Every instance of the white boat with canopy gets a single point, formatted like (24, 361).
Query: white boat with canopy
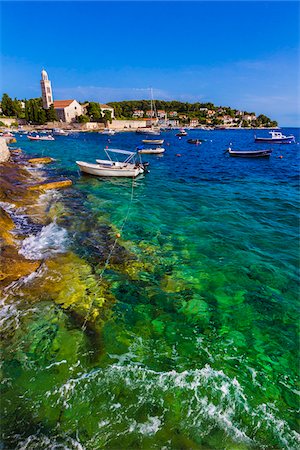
(129, 167)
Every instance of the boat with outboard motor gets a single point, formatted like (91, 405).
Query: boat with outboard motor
(276, 138)
(250, 154)
(130, 167)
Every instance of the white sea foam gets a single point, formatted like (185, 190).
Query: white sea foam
(208, 397)
(42, 442)
(50, 240)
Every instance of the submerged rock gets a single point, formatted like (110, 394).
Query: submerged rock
(52, 185)
(44, 160)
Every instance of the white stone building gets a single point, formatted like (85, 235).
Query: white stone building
(67, 110)
(46, 90)
(138, 113)
(108, 108)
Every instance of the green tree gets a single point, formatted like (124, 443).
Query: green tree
(83, 118)
(7, 105)
(94, 112)
(107, 117)
(34, 112)
(51, 114)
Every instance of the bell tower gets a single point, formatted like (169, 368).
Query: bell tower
(46, 90)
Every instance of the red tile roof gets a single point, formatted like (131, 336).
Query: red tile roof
(62, 103)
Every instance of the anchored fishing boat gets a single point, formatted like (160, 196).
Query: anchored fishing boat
(153, 151)
(250, 154)
(41, 138)
(181, 132)
(153, 141)
(276, 138)
(60, 132)
(110, 168)
(108, 131)
(195, 141)
(148, 131)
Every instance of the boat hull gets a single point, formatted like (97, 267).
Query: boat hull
(97, 170)
(254, 154)
(153, 141)
(153, 151)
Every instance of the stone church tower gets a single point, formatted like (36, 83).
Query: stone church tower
(46, 90)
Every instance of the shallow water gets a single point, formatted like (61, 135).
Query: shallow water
(191, 338)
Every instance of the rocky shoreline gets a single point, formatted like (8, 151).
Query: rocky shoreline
(38, 260)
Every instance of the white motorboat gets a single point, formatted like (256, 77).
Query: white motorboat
(41, 138)
(108, 131)
(154, 151)
(276, 138)
(149, 131)
(109, 168)
(59, 132)
(153, 141)
(181, 132)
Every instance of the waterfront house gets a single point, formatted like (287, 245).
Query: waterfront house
(138, 113)
(67, 110)
(108, 108)
(149, 113)
(210, 112)
(194, 122)
(172, 114)
(249, 117)
(161, 113)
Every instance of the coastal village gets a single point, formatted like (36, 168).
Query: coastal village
(124, 115)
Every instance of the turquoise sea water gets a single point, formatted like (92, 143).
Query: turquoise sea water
(195, 345)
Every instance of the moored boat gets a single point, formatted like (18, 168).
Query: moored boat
(153, 141)
(109, 168)
(148, 131)
(153, 151)
(181, 132)
(250, 154)
(108, 131)
(276, 138)
(60, 132)
(41, 138)
(195, 141)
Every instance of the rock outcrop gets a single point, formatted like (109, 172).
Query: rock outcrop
(4, 152)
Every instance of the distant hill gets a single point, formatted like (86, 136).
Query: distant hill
(204, 113)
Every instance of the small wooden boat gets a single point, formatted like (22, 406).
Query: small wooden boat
(153, 151)
(41, 138)
(195, 141)
(250, 154)
(277, 138)
(153, 141)
(109, 168)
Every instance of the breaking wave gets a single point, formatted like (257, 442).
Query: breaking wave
(50, 240)
(208, 400)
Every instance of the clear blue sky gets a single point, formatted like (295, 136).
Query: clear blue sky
(240, 54)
